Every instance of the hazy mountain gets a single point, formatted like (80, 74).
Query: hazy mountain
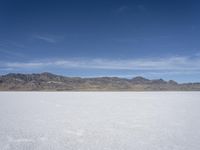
(51, 82)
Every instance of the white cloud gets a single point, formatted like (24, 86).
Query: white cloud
(48, 39)
(26, 65)
(175, 64)
(122, 9)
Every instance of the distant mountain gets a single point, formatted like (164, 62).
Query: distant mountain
(51, 82)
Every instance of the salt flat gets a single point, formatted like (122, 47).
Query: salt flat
(99, 120)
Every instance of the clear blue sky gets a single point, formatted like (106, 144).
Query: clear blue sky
(151, 38)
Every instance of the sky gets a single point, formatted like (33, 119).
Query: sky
(92, 38)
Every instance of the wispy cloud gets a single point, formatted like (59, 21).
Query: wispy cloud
(141, 7)
(123, 8)
(11, 44)
(10, 48)
(125, 40)
(175, 64)
(197, 54)
(9, 53)
(49, 39)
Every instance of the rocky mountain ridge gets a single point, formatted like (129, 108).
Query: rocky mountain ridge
(51, 82)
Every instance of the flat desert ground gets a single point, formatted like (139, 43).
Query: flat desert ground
(99, 120)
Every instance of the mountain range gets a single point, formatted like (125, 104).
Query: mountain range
(51, 82)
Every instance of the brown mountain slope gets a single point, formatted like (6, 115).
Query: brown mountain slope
(52, 82)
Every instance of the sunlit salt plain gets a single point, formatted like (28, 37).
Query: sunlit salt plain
(99, 120)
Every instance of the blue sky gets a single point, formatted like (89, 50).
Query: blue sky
(154, 39)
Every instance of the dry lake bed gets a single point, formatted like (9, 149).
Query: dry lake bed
(99, 120)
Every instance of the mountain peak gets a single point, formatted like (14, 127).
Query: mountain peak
(49, 81)
(172, 82)
(139, 80)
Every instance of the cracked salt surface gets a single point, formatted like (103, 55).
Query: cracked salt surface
(99, 120)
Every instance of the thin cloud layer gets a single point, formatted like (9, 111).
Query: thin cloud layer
(160, 64)
(45, 38)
